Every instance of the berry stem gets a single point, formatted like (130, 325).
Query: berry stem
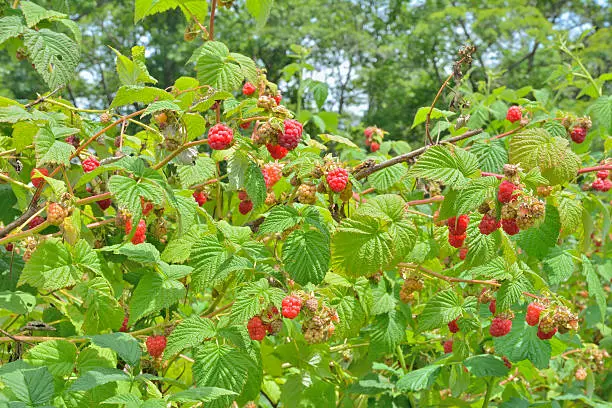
(430, 200)
(487, 174)
(596, 168)
(178, 151)
(93, 198)
(40, 98)
(487, 397)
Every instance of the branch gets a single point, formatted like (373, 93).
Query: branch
(178, 151)
(42, 98)
(365, 172)
(596, 168)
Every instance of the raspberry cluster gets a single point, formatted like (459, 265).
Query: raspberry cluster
(532, 317)
(602, 182)
(373, 137)
(248, 89)
(141, 231)
(488, 224)
(577, 127)
(319, 326)
(457, 228)
(272, 173)
(56, 213)
(267, 322)
(291, 306)
(90, 164)
(156, 345)
(246, 205)
(124, 325)
(37, 178)
(337, 179)
(220, 137)
(514, 114)
(200, 197)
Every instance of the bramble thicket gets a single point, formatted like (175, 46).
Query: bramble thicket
(217, 243)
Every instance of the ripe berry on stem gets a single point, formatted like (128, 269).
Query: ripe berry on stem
(291, 306)
(292, 135)
(90, 164)
(156, 345)
(453, 326)
(578, 134)
(200, 197)
(532, 317)
(374, 147)
(220, 137)
(493, 306)
(458, 225)
(463, 253)
(510, 226)
(277, 152)
(488, 224)
(505, 192)
(542, 335)
(141, 230)
(448, 346)
(36, 178)
(255, 327)
(456, 240)
(248, 89)
(245, 207)
(514, 114)
(36, 221)
(337, 179)
(500, 327)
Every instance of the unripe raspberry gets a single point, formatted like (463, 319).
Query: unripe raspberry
(256, 328)
(104, 204)
(141, 231)
(36, 178)
(36, 221)
(272, 173)
(488, 224)
(73, 140)
(56, 213)
(514, 114)
(603, 174)
(532, 317)
(578, 134)
(147, 206)
(124, 325)
(245, 207)
(220, 137)
(312, 304)
(542, 335)
(500, 327)
(161, 119)
(200, 197)
(463, 253)
(306, 194)
(453, 326)
(105, 117)
(277, 152)
(458, 226)
(448, 346)
(374, 147)
(270, 199)
(274, 327)
(292, 135)
(156, 345)
(248, 89)
(510, 226)
(337, 179)
(242, 195)
(581, 374)
(456, 240)
(291, 306)
(90, 164)
(505, 192)
(493, 306)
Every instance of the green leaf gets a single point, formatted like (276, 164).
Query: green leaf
(491, 156)
(594, 286)
(34, 13)
(57, 355)
(482, 248)
(142, 253)
(326, 138)
(555, 128)
(127, 191)
(475, 192)
(255, 185)
(252, 297)
(33, 387)
(11, 27)
(600, 110)
(190, 8)
(130, 94)
(320, 91)
(220, 69)
(523, 343)
(133, 72)
(439, 164)
(537, 241)
(51, 151)
(55, 55)
(17, 302)
(50, 267)
(418, 380)
(558, 265)
(260, 10)
(387, 332)
(537, 148)
(179, 248)
(486, 365)
(351, 316)
(102, 310)
(202, 394)
(279, 219)
(421, 115)
(443, 307)
(14, 114)
(386, 179)
(96, 377)
(126, 346)
(570, 212)
(207, 256)
(190, 332)
(306, 256)
(158, 106)
(157, 290)
(511, 291)
(93, 357)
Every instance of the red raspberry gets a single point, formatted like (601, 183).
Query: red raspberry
(124, 325)
(242, 195)
(256, 328)
(104, 204)
(245, 207)
(147, 206)
(156, 345)
(278, 98)
(55, 213)
(453, 326)
(374, 147)
(602, 185)
(514, 114)
(72, 140)
(448, 346)
(36, 178)
(546, 335)
(291, 306)
(141, 230)
(463, 253)
(200, 197)
(36, 221)
(292, 135)
(369, 131)
(493, 306)
(248, 89)
(272, 172)
(245, 125)
(507, 362)
(220, 137)
(500, 327)
(578, 134)
(90, 164)
(9, 247)
(277, 152)
(337, 179)
(456, 240)
(505, 192)
(458, 226)
(532, 317)
(603, 174)
(510, 226)
(488, 224)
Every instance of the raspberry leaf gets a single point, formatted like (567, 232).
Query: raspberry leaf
(537, 241)
(306, 256)
(486, 365)
(491, 156)
(594, 286)
(55, 55)
(57, 355)
(441, 309)
(558, 265)
(201, 394)
(52, 151)
(388, 331)
(439, 164)
(126, 346)
(522, 343)
(351, 315)
(129, 94)
(203, 169)
(253, 297)
(280, 219)
(420, 379)
(255, 185)
(101, 310)
(190, 332)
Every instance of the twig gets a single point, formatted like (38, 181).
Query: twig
(42, 98)
(211, 24)
(93, 198)
(17, 183)
(596, 168)
(487, 174)
(434, 199)
(178, 151)
(19, 221)
(433, 104)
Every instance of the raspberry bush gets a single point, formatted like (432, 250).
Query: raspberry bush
(212, 243)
